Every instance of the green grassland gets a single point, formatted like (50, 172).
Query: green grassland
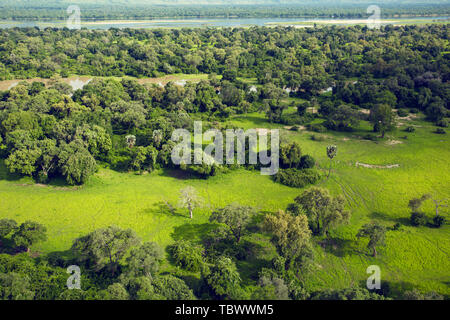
(413, 257)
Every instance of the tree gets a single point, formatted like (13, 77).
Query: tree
(29, 233)
(324, 212)
(290, 234)
(14, 286)
(189, 199)
(143, 158)
(235, 217)
(382, 118)
(416, 203)
(290, 155)
(117, 291)
(376, 234)
(145, 259)
(6, 227)
(224, 279)
(172, 288)
(270, 287)
(105, 247)
(331, 153)
(439, 203)
(188, 255)
(76, 163)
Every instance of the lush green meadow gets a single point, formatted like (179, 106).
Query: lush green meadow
(413, 256)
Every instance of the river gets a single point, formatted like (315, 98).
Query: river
(211, 22)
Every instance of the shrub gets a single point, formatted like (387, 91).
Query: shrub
(396, 226)
(402, 113)
(418, 219)
(316, 127)
(438, 221)
(414, 110)
(440, 131)
(315, 137)
(410, 129)
(442, 123)
(307, 162)
(297, 178)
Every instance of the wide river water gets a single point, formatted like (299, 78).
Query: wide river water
(209, 22)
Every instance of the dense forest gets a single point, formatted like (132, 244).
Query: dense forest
(52, 132)
(46, 131)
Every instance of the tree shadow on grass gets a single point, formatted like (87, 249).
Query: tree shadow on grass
(192, 232)
(390, 289)
(339, 247)
(386, 217)
(179, 174)
(61, 259)
(165, 208)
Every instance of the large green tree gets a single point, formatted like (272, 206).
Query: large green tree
(105, 247)
(235, 217)
(376, 234)
(324, 211)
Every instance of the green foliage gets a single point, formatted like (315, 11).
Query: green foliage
(188, 255)
(324, 212)
(172, 288)
(438, 221)
(290, 234)
(307, 162)
(297, 178)
(7, 226)
(376, 234)
(105, 247)
(382, 118)
(235, 217)
(145, 259)
(29, 233)
(224, 280)
(418, 218)
(76, 163)
(355, 293)
(14, 286)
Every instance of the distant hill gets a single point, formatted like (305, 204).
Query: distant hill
(38, 3)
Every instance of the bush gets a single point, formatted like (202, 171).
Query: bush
(316, 127)
(315, 137)
(438, 221)
(402, 113)
(307, 162)
(410, 129)
(418, 219)
(396, 226)
(440, 131)
(297, 178)
(442, 123)
(414, 110)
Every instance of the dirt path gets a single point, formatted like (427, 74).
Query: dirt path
(373, 166)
